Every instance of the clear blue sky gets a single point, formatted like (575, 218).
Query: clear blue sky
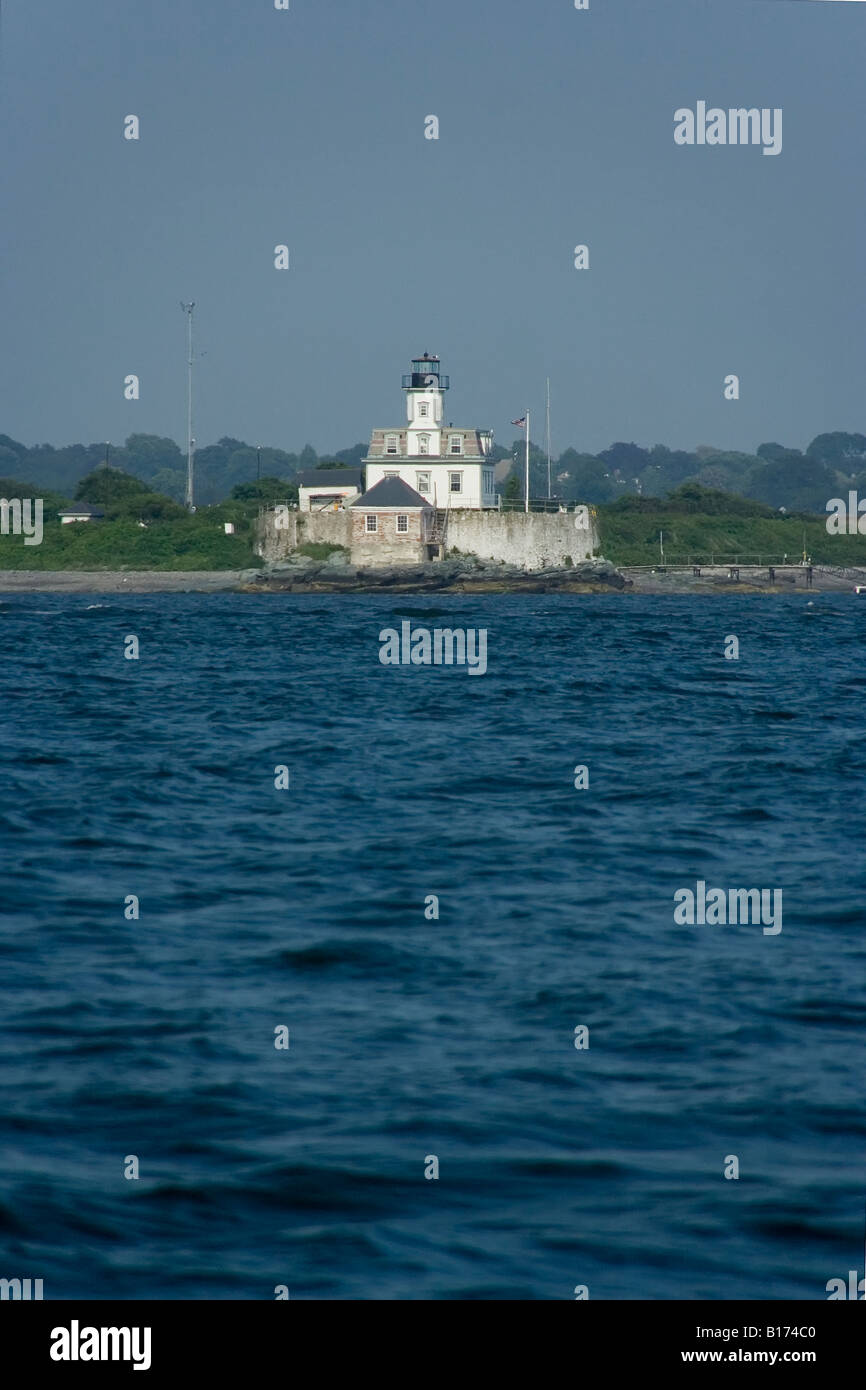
(261, 127)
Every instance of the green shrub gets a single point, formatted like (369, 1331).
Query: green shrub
(630, 536)
(320, 550)
(188, 542)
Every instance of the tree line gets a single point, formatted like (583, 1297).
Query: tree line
(160, 463)
(776, 474)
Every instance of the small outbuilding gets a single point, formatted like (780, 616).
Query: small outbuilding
(392, 524)
(328, 489)
(81, 511)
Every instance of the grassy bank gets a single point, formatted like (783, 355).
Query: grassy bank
(629, 531)
(197, 542)
(699, 526)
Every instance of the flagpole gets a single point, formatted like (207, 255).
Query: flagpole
(548, 438)
(526, 500)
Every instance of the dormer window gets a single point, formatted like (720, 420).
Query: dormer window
(455, 444)
(390, 443)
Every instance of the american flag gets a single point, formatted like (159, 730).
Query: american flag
(521, 421)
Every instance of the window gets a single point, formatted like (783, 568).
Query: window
(391, 473)
(455, 444)
(488, 480)
(390, 443)
(455, 481)
(372, 522)
(402, 522)
(423, 408)
(422, 482)
(423, 444)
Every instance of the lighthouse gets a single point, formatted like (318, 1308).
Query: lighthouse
(448, 465)
(424, 387)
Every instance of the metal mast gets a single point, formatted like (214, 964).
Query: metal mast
(548, 438)
(526, 488)
(190, 442)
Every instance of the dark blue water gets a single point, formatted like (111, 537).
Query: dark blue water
(412, 1037)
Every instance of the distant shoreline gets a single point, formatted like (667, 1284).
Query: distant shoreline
(122, 581)
(629, 581)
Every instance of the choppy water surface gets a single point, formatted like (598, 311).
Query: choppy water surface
(412, 1037)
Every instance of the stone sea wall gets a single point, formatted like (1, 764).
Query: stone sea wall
(281, 532)
(534, 540)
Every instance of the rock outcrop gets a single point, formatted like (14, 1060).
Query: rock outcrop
(458, 574)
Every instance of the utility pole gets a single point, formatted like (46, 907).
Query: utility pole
(548, 439)
(526, 504)
(190, 442)
(258, 461)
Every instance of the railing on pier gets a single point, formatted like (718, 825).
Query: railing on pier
(842, 571)
(710, 560)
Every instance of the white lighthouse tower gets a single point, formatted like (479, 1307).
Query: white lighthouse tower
(424, 387)
(449, 466)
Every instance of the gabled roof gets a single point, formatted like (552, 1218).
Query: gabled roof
(391, 492)
(330, 477)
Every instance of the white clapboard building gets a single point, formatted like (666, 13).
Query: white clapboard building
(448, 465)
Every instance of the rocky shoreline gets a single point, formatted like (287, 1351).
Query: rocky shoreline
(469, 574)
(460, 574)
